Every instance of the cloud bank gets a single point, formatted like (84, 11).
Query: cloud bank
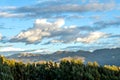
(56, 32)
(56, 8)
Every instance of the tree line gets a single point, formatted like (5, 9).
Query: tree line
(72, 69)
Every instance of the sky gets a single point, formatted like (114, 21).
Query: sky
(46, 26)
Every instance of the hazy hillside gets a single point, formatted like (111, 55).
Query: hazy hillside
(102, 56)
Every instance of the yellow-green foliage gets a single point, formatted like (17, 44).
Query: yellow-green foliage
(67, 69)
(113, 67)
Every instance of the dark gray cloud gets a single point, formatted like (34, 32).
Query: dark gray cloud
(99, 25)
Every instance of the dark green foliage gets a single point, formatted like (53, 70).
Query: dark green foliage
(5, 71)
(72, 69)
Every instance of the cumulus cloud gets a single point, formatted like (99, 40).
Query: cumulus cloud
(92, 37)
(56, 32)
(41, 29)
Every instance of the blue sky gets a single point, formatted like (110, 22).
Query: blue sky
(46, 26)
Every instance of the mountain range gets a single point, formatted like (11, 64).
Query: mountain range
(102, 56)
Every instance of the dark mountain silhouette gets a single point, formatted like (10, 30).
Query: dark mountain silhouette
(102, 56)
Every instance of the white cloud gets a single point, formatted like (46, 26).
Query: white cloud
(92, 37)
(8, 7)
(7, 14)
(10, 49)
(56, 32)
(41, 29)
(60, 22)
(44, 51)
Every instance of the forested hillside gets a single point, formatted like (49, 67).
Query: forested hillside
(67, 69)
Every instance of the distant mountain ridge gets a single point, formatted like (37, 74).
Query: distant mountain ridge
(102, 56)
